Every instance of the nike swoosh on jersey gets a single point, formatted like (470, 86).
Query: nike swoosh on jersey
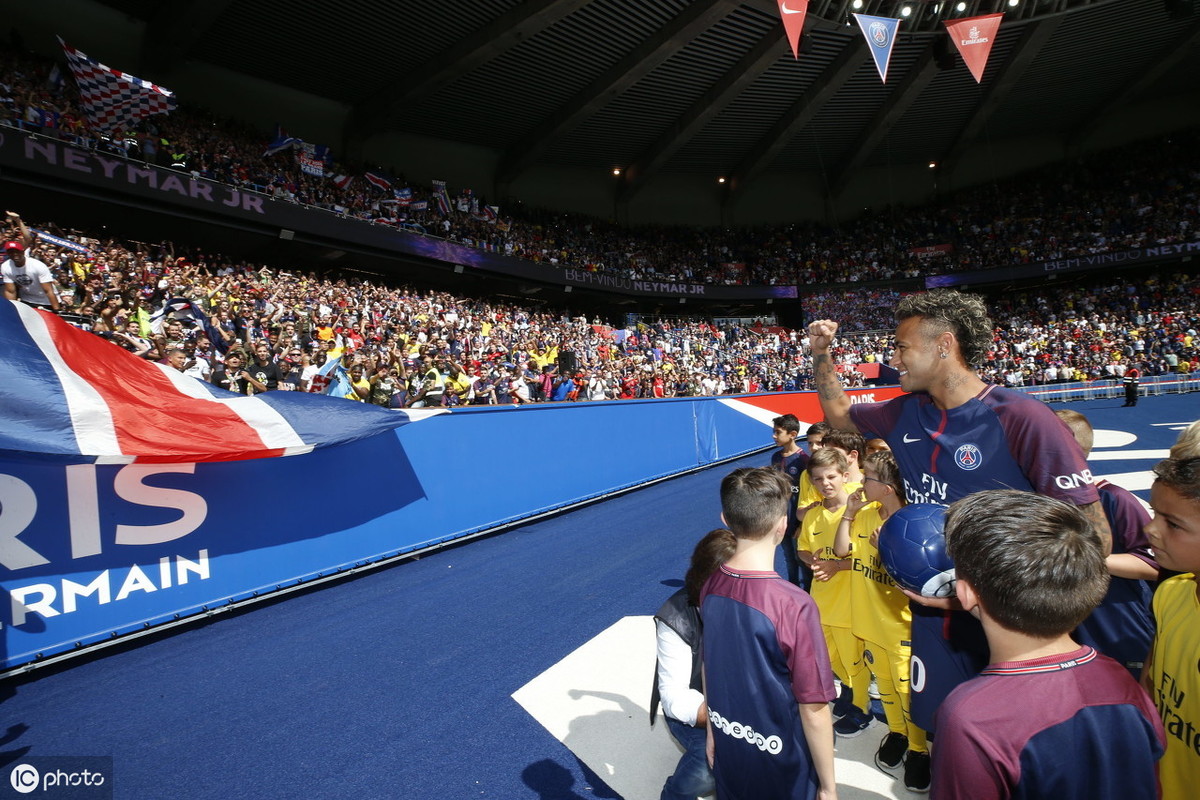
(783, 7)
(910, 441)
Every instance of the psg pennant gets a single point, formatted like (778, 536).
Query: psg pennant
(792, 12)
(974, 38)
(880, 33)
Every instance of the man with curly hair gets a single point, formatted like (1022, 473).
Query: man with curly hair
(954, 435)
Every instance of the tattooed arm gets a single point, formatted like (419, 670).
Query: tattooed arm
(1095, 514)
(834, 401)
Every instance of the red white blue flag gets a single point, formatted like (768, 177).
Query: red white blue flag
(378, 181)
(441, 197)
(69, 395)
(192, 316)
(281, 142)
(880, 33)
(114, 100)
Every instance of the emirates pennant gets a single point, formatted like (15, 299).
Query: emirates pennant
(880, 33)
(974, 38)
(792, 12)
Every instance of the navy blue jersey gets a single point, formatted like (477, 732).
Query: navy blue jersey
(948, 648)
(764, 653)
(793, 466)
(1074, 726)
(1000, 439)
(1122, 626)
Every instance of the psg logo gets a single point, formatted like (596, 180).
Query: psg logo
(968, 457)
(879, 34)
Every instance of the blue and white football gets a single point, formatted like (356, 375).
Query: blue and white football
(912, 547)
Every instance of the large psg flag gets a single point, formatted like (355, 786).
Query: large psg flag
(69, 395)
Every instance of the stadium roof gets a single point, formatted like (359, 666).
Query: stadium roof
(693, 86)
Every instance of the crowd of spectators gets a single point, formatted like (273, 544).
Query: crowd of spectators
(274, 329)
(404, 347)
(1098, 330)
(1136, 196)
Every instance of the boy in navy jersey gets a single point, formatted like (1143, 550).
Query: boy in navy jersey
(1122, 626)
(768, 682)
(791, 461)
(1047, 717)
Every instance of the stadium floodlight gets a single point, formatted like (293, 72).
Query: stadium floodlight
(906, 11)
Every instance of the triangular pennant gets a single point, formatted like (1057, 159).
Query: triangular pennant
(974, 38)
(792, 12)
(880, 33)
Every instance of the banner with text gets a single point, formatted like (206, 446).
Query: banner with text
(93, 551)
(974, 38)
(56, 164)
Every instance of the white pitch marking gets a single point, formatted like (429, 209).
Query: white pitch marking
(1132, 481)
(1103, 437)
(765, 416)
(596, 701)
(1129, 455)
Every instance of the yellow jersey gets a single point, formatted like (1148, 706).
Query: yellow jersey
(816, 535)
(881, 613)
(1175, 683)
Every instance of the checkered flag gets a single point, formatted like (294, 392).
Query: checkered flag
(112, 100)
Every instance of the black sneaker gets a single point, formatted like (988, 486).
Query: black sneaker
(844, 704)
(852, 724)
(891, 751)
(916, 771)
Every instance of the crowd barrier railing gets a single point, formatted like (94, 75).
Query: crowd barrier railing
(1111, 388)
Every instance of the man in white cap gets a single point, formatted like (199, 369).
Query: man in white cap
(26, 278)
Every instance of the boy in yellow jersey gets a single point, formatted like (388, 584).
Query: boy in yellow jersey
(881, 617)
(809, 496)
(854, 448)
(1171, 674)
(831, 585)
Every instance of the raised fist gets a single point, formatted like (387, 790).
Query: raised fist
(821, 333)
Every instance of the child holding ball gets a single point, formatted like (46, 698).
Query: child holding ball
(880, 614)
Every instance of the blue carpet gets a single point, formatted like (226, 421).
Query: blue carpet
(397, 683)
